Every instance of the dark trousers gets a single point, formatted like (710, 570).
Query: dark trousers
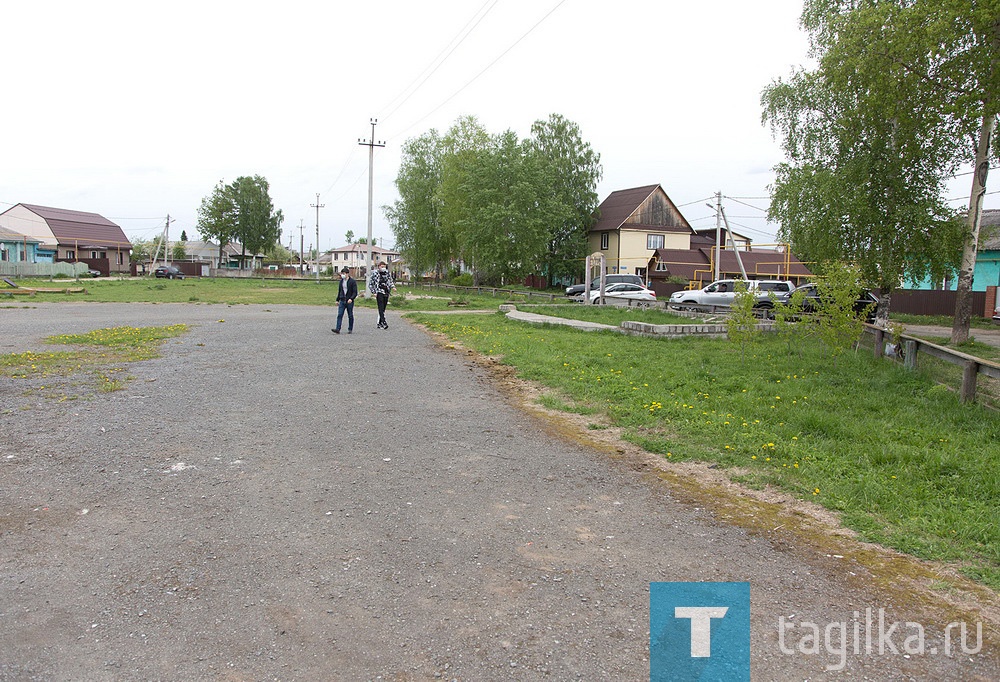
(349, 307)
(381, 299)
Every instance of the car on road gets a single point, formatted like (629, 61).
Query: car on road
(625, 290)
(169, 271)
(720, 294)
(865, 304)
(577, 289)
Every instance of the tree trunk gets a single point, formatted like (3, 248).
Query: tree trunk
(963, 301)
(882, 310)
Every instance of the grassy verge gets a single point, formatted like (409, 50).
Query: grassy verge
(610, 314)
(902, 461)
(103, 358)
(246, 291)
(939, 320)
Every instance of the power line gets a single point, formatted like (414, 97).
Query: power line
(467, 31)
(695, 202)
(485, 69)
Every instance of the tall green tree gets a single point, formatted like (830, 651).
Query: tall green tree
(415, 218)
(241, 211)
(504, 232)
(874, 133)
(257, 224)
(217, 216)
(570, 171)
(462, 145)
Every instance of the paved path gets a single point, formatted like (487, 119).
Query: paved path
(270, 501)
(582, 325)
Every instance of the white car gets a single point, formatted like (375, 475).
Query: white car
(625, 290)
(720, 294)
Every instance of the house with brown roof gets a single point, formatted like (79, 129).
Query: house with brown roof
(632, 224)
(642, 232)
(73, 236)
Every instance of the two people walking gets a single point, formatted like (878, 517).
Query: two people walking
(380, 284)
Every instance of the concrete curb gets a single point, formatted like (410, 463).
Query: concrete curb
(662, 331)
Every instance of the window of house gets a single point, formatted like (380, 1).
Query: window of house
(605, 241)
(641, 272)
(654, 241)
(662, 267)
(4, 255)
(336, 256)
(121, 258)
(70, 254)
(22, 255)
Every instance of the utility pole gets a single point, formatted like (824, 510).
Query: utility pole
(317, 206)
(302, 238)
(718, 234)
(371, 144)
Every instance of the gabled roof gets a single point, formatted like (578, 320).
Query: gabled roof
(620, 210)
(11, 236)
(989, 230)
(80, 228)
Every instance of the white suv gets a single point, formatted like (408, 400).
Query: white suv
(720, 294)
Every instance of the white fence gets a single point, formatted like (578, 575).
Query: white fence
(17, 269)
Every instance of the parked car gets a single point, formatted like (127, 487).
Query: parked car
(169, 271)
(865, 304)
(720, 294)
(625, 290)
(577, 289)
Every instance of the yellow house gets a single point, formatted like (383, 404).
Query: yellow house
(632, 224)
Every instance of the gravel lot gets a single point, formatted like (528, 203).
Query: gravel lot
(270, 501)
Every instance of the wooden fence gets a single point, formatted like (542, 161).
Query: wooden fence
(19, 269)
(971, 366)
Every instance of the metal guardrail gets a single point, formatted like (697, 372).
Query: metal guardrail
(971, 366)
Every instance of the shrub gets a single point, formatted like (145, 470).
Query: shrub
(463, 280)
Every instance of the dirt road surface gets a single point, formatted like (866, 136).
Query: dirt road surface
(268, 501)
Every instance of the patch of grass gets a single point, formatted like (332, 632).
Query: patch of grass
(554, 403)
(939, 320)
(607, 314)
(226, 291)
(104, 356)
(903, 462)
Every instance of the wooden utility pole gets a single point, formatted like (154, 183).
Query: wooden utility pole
(302, 239)
(371, 144)
(317, 206)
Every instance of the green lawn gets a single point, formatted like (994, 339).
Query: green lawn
(902, 461)
(235, 291)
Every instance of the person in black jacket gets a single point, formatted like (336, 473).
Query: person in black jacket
(347, 292)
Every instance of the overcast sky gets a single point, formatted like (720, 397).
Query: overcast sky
(136, 110)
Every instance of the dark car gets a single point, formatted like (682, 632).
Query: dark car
(577, 289)
(169, 271)
(864, 305)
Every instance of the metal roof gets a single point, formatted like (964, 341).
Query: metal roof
(85, 230)
(622, 204)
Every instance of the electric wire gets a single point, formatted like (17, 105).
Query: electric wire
(484, 70)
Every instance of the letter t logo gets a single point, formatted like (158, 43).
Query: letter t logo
(701, 626)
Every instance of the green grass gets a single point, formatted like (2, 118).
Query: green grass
(103, 357)
(939, 320)
(902, 461)
(612, 315)
(245, 291)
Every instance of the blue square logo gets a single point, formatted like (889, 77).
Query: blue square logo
(699, 632)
